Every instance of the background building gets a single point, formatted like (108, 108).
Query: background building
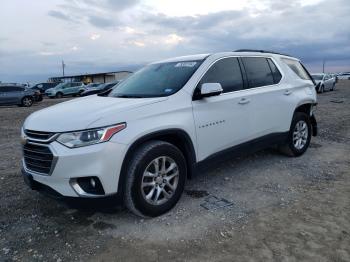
(92, 78)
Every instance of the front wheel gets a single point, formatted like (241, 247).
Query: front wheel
(322, 89)
(299, 135)
(155, 179)
(59, 95)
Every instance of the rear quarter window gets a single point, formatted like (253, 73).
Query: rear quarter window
(297, 68)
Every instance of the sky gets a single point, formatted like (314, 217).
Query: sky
(109, 35)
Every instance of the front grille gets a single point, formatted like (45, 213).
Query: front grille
(39, 135)
(38, 158)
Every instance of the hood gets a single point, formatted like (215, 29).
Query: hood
(82, 113)
(49, 90)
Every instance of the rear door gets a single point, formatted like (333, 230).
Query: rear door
(221, 121)
(3, 95)
(270, 101)
(69, 89)
(14, 94)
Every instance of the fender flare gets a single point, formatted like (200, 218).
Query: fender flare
(188, 150)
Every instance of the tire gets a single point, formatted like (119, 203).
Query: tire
(301, 131)
(139, 197)
(59, 95)
(322, 89)
(27, 101)
(40, 98)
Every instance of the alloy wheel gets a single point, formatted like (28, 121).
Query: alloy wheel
(27, 102)
(160, 180)
(300, 135)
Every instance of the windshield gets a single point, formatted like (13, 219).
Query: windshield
(317, 77)
(157, 80)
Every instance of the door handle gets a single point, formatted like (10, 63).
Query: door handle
(244, 101)
(287, 92)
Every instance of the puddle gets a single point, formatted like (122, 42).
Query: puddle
(337, 101)
(213, 203)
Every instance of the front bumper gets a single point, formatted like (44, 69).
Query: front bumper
(101, 160)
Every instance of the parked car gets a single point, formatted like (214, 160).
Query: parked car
(42, 87)
(143, 140)
(66, 89)
(324, 82)
(17, 95)
(92, 86)
(100, 89)
(344, 76)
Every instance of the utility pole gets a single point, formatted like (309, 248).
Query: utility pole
(63, 66)
(324, 63)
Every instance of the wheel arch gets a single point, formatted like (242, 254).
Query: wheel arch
(306, 108)
(177, 137)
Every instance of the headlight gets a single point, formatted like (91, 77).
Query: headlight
(90, 136)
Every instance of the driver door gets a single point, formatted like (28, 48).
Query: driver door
(221, 121)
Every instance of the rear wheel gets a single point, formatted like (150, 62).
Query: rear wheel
(155, 179)
(27, 101)
(299, 135)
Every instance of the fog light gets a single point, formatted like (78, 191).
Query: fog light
(88, 185)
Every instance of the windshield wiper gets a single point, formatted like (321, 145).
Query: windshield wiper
(129, 96)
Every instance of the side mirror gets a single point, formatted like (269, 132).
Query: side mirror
(211, 89)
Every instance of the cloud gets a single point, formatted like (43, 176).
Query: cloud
(309, 32)
(133, 32)
(95, 36)
(101, 22)
(173, 39)
(121, 4)
(59, 15)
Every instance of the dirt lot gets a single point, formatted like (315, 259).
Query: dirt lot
(279, 209)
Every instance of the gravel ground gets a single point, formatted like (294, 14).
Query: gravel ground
(261, 207)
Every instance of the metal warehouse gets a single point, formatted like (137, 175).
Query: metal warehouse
(92, 78)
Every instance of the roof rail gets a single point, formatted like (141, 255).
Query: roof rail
(261, 51)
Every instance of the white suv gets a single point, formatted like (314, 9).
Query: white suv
(143, 140)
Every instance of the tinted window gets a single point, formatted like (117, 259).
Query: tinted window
(297, 68)
(258, 71)
(276, 74)
(5, 88)
(11, 88)
(227, 72)
(17, 88)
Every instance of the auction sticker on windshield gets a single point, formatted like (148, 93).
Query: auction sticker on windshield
(186, 64)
